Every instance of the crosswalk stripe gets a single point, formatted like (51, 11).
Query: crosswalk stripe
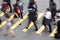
(31, 24)
(0, 6)
(18, 22)
(4, 22)
(54, 31)
(1, 14)
(40, 30)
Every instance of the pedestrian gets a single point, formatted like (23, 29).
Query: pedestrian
(20, 5)
(9, 23)
(57, 35)
(9, 3)
(17, 11)
(47, 19)
(5, 7)
(53, 10)
(32, 9)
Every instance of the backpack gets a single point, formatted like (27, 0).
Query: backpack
(4, 6)
(17, 10)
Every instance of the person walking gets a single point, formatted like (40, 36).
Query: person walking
(9, 23)
(9, 3)
(57, 35)
(47, 19)
(32, 8)
(53, 10)
(20, 5)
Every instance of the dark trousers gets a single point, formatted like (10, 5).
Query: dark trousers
(58, 26)
(34, 24)
(53, 17)
(50, 29)
(21, 15)
(53, 14)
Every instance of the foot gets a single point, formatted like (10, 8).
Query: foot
(50, 31)
(5, 34)
(13, 36)
(26, 27)
(10, 11)
(22, 18)
(20, 24)
(36, 29)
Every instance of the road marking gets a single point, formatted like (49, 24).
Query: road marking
(40, 30)
(0, 7)
(3, 23)
(53, 33)
(18, 22)
(31, 24)
(1, 14)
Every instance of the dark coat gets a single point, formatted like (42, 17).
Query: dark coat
(53, 8)
(58, 28)
(32, 13)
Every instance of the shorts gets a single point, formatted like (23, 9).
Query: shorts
(9, 24)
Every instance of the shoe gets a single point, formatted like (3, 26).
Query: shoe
(26, 27)
(22, 18)
(20, 24)
(36, 29)
(50, 31)
(5, 34)
(13, 36)
(10, 11)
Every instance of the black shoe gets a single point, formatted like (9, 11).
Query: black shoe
(36, 29)
(20, 24)
(50, 31)
(10, 11)
(26, 27)
(5, 34)
(22, 18)
(13, 36)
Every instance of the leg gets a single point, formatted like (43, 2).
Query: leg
(12, 32)
(28, 24)
(44, 22)
(50, 29)
(53, 18)
(22, 15)
(36, 28)
(6, 31)
(53, 14)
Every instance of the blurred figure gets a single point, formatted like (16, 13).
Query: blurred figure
(17, 11)
(53, 9)
(47, 19)
(20, 5)
(9, 3)
(57, 35)
(32, 8)
(9, 23)
(5, 7)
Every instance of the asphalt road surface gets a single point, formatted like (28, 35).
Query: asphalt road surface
(30, 34)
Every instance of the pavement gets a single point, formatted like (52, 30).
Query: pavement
(29, 34)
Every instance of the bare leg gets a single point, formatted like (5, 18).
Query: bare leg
(12, 32)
